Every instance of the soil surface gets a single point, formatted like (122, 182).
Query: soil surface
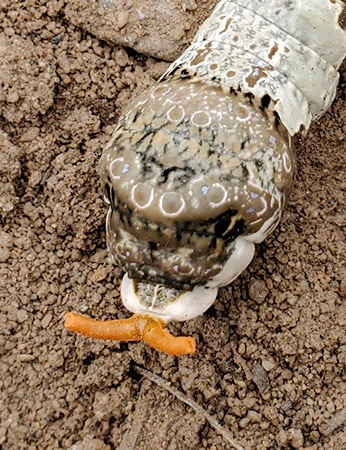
(270, 363)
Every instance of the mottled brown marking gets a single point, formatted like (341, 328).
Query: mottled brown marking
(200, 57)
(228, 22)
(230, 73)
(273, 50)
(255, 75)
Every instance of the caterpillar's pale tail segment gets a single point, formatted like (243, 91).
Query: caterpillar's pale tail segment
(137, 328)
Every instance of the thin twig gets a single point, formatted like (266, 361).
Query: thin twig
(129, 439)
(172, 390)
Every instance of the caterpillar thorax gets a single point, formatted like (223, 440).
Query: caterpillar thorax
(200, 166)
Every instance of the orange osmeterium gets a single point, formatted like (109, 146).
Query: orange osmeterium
(137, 328)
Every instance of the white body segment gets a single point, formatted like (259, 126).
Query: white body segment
(288, 50)
(200, 166)
(186, 306)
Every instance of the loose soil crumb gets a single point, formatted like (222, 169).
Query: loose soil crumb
(270, 364)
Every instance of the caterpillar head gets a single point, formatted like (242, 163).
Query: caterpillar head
(194, 176)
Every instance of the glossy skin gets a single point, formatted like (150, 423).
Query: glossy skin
(184, 185)
(195, 179)
(201, 165)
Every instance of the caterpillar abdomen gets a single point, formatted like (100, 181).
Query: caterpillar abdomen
(200, 166)
(290, 53)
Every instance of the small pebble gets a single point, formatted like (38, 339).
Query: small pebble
(22, 315)
(296, 438)
(6, 240)
(46, 320)
(258, 290)
(99, 275)
(30, 134)
(121, 57)
(268, 364)
(123, 18)
(342, 288)
(4, 255)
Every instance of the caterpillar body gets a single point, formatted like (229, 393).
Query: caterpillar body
(200, 166)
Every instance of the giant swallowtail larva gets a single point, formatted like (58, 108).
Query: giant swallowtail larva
(200, 166)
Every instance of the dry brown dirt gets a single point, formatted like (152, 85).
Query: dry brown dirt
(270, 364)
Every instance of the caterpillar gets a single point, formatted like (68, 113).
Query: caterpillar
(200, 166)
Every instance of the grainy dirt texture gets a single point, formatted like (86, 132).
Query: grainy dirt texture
(162, 29)
(270, 364)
